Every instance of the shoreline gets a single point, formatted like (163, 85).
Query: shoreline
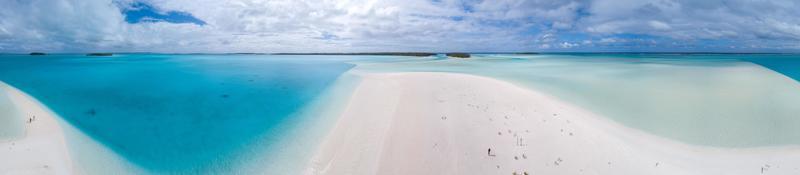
(42, 148)
(53, 146)
(77, 153)
(444, 123)
(421, 123)
(301, 134)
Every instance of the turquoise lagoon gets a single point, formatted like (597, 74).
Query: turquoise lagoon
(211, 114)
(175, 114)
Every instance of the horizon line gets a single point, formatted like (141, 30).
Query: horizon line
(380, 52)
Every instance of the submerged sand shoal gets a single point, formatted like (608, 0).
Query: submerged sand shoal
(444, 123)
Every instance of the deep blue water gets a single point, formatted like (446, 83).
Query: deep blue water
(173, 113)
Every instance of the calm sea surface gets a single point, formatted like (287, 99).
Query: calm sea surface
(173, 113)
(190, 113)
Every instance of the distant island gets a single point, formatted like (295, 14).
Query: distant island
(418, 54)
(37, 53)
(458, 55)
(100, 54)
(247, 53)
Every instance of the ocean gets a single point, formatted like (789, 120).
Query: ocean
(175, 113)
(207, 113)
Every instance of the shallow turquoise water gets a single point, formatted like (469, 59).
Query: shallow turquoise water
(174, 113)
(198, 114)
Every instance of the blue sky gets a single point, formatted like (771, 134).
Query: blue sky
(399, 25)
(139, 12)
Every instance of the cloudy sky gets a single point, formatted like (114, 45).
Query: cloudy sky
(399, 25)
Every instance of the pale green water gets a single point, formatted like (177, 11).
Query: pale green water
(12, 122)
(699, 99)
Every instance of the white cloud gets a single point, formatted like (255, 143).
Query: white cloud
(58, 24)
(658, 25)
(608, 40)
(686, 19)
(391, 25)
(567, 45)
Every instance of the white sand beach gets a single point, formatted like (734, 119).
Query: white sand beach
(49, 145)
(444, 123)
(42, 148)
(434, 123)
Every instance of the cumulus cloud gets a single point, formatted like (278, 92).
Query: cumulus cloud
(756, 22)
(57, 25)
(401, 25)
(567, 45)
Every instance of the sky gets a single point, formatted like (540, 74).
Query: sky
(269, 26)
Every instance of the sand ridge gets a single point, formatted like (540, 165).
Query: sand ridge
(445, 123)
(42, 150)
